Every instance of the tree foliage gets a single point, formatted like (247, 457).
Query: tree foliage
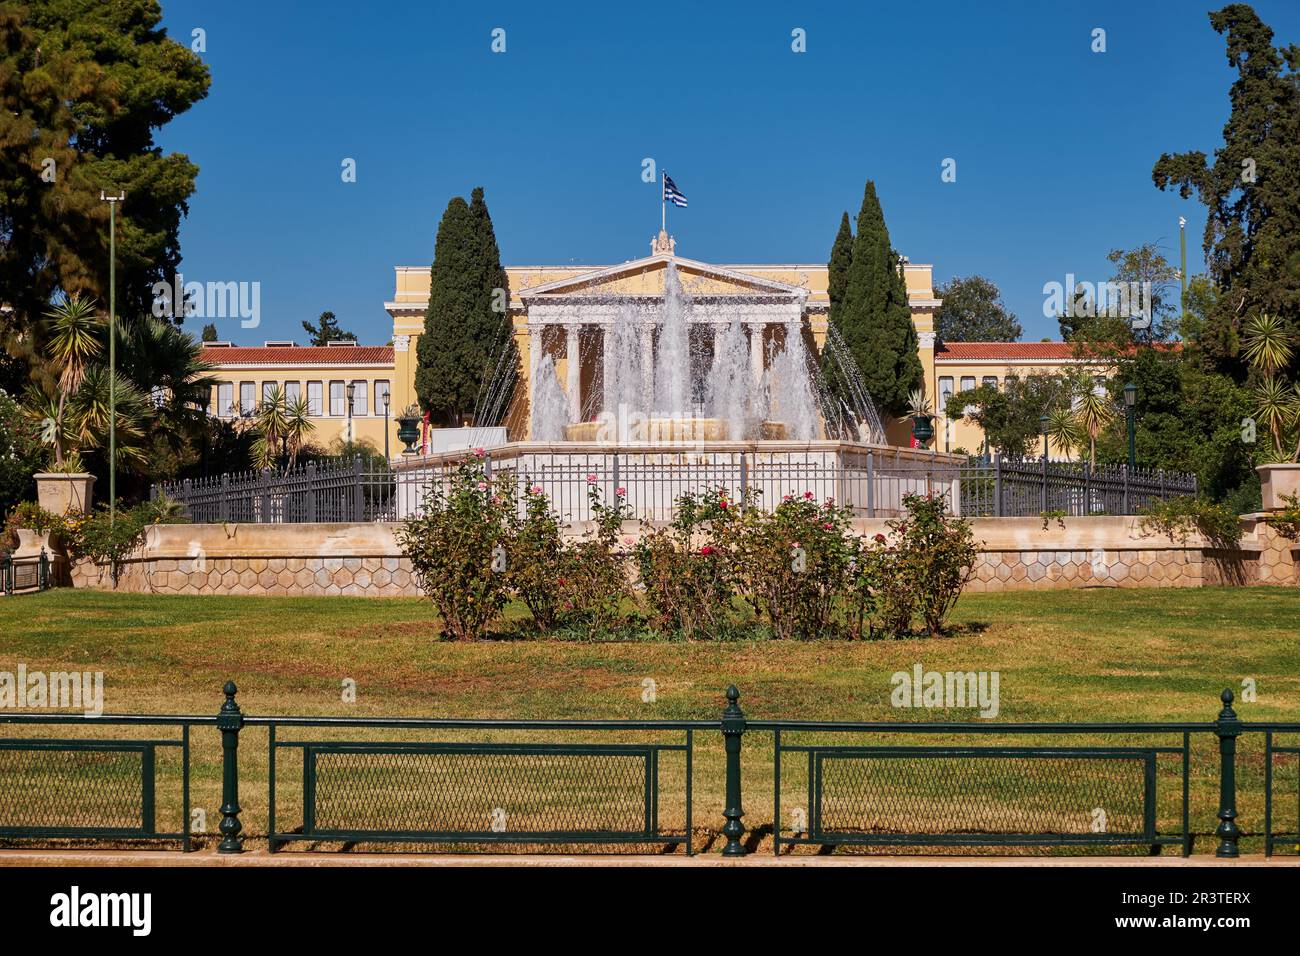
(973, 311)
(84, 85)
(326, 330)
(1251, 189)
(468, 308)
(873, 315)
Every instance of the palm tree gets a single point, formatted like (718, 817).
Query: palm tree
(1094, 415)
(1064, 429)
(298, 425)
(164, 361)
(73, 327)
(1273, 407)
(1267, 346)
(89, 411)
(282, 427)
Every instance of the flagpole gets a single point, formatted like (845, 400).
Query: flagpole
(663, 203)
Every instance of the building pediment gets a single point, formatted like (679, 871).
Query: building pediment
(645, 278)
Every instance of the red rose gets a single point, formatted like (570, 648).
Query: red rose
(880, 539)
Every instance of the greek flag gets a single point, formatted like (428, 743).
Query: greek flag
(672, 194)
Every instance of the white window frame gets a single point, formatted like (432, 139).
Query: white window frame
(316, 405)
(342, 398)
(225, 399)
(360, 397)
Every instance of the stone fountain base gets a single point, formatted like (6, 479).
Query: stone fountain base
(665, 430)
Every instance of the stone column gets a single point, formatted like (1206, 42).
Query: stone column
(756, 350)
(647, 367)
(607, 371)
(573, 371)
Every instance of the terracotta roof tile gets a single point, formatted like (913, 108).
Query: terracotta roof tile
(303, 355)
(1006, 350)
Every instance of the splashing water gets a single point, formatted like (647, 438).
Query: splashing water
(550, 404)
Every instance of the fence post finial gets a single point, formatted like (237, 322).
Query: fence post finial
(230, 719)
(733, 728)
(1227, 727)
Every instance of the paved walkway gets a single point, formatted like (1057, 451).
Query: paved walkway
(162, 858)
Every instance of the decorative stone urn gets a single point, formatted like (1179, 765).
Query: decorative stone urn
(408, 433)
(31, 543)
(1278, 482)
(60, 493)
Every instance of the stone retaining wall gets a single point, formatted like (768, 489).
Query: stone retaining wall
(365, 559)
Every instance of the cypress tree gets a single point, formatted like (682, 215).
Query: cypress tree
(837, 276)
(838, 268)
(873, 314)
(456, 353)
(497, 286)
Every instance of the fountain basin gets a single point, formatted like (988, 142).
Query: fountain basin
(640, 429)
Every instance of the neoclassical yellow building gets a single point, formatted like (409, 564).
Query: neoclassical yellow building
(568, 313)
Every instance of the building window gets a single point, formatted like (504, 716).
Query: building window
(991, 380)
(945, 389)
(292, 392)
(967, 382)
(338, 400)
(359, 403)
(268, 390)
(225, 399)
(315, 399)
(247, 398)
(381, 393)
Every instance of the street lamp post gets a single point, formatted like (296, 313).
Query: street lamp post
(1130, 403)
(1042, 421)
(112, 349)
(386, 400)
(351, 391)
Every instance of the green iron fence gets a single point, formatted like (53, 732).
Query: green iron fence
(593, 791)
(603, 788)
(79, 788)
(25, 573)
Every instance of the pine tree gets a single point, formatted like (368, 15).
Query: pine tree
(459, 349)
(1252, 192)
(874, 316)
(973, 311)
(326, 330)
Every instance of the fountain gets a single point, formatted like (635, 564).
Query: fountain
(685, 370)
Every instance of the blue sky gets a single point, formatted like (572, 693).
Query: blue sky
(1053, 143)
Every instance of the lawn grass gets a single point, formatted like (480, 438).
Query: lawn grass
(1080, 656)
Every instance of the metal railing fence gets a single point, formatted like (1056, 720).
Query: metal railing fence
(602, 788)
(871, 481)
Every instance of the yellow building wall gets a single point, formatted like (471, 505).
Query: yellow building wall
(327, 428)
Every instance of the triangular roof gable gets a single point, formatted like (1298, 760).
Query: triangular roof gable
(744, 283)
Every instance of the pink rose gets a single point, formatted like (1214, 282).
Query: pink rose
(479, 453)
(591, 479)
(706, 550)
(620, 492)
(482, 486)
(787, 497)
(535, 489)
(808, 495)
(828, 526)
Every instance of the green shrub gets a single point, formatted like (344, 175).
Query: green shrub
(937, 555)
(1177, 518)
(791, 563)
(457, 548)
(595, 571)
(685, 576)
